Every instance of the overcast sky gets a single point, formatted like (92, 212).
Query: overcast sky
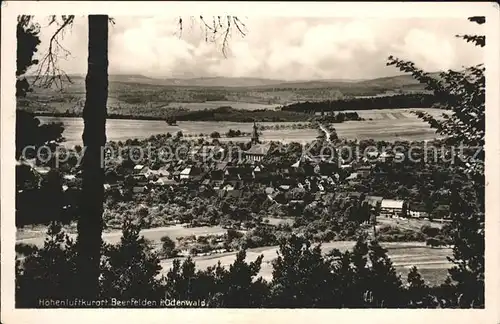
(277, 48)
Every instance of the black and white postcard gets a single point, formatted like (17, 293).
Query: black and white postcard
(250, 162)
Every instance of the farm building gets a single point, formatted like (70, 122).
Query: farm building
(391, 207)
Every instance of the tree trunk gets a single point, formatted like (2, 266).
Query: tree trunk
(94, 138)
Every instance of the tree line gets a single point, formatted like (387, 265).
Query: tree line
(302, 277)
(383, 102)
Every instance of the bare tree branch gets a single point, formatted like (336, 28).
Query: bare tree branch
(48, 72)
(220, 28)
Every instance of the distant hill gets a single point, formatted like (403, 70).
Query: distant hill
(392, 83)
(207, 82)
(143, 96)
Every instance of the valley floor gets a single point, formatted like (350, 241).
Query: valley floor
(432, 262)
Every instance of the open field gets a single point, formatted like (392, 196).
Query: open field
(152, 234)
(432, 262)
(395, 114)
(403, 255)
(217, 104)
(407, 223)
(390, 125)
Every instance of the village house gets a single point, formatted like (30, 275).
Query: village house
(385, 156)
(198, 176)
(284, 187)
(138, 168)
(441, 211)
(194, 151)
(185, 174)
(188, 172)
(163, 171)
(417, 211)
(346, 167)
(217, 173)
(110, 186)
(355, 196)
(391, 208)
(233, 194)
(399, 156)
(208, 151)
(364, 171)
(139, 189)
(41, 170)
(69, 177)
(374, 201)
(246, 174)
(165, 181)
(232, 173)
(353, 176)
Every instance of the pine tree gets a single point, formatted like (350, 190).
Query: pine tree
(301, 276)
(417, 288)
(385, 284)
(130, 268)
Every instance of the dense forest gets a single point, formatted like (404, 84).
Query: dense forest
(366, 103)
(227, 113)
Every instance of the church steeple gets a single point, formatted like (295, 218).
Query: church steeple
(255, 134)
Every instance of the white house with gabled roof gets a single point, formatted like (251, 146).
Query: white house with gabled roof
(391, 207)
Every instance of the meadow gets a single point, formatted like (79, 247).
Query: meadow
(36, 236)
(387, 124)
(216, 104)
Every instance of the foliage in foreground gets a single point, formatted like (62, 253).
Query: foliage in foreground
(462, 93)
(302, 277)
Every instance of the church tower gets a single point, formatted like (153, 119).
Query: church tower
(255, 135)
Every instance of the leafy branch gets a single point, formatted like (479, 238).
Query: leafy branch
(460, 92)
